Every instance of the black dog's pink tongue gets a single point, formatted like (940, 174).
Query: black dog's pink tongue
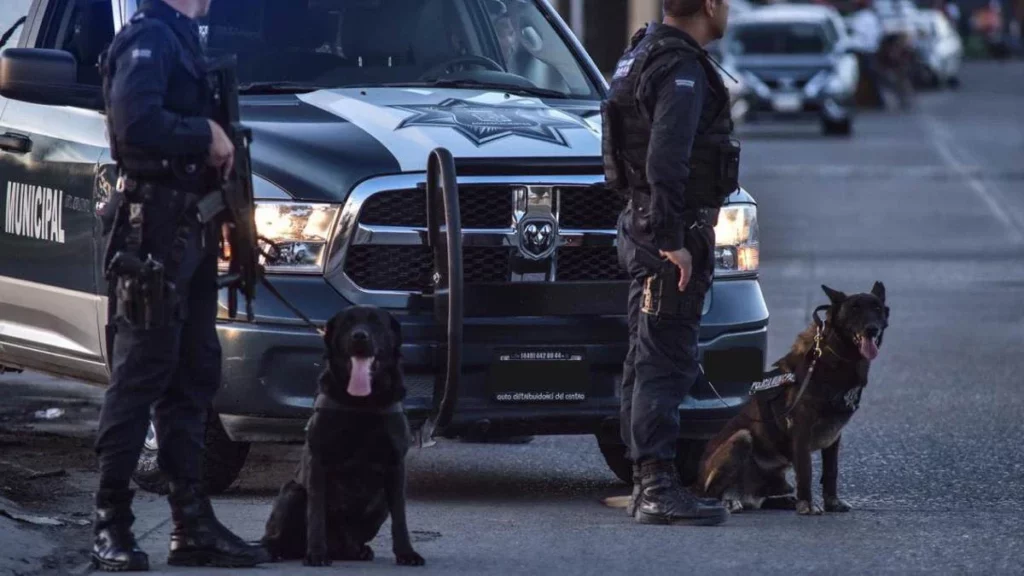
(868, 348)
(359, 380)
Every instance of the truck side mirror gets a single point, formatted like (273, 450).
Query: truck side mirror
(45, 76)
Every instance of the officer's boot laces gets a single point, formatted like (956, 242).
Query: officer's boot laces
(114, 547)
(663, 500)
(199, 539)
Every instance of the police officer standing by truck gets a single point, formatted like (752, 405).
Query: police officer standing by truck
(162, 270)
(667, 146)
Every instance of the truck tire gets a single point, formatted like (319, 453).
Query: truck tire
(688, 454)
(222, 462)
(615, 457)
(841, 128)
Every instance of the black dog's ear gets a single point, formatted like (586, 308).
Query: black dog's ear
(833, 295)
(879, 291)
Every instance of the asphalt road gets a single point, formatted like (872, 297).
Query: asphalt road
(929, 202)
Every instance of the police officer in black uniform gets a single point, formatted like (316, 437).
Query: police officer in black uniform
(162, 271)
(668, 147)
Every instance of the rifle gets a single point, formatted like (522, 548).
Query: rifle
(244, 270)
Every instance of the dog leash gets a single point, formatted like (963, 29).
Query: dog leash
(274, 292)
(816, 352)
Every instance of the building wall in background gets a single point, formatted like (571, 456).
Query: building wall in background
(607, 24)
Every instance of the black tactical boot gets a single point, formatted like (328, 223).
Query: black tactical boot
(114, 548)
(199, 539)
(663, 500)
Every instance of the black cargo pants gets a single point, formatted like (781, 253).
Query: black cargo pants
(173, 370)
(662, 363)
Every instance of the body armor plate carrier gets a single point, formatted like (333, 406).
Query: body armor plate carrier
(714, 160)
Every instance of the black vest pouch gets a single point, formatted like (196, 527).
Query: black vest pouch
(714, 169)
(728, 168)
(614, 169)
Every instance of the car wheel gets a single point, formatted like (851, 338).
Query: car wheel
(615, 457)
(841, 128)
(222, 462)
(688, 455)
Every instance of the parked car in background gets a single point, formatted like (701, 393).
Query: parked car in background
(940, 49)
(796, 65)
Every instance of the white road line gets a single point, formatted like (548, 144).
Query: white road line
(943, 143)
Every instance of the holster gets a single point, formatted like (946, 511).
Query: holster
(143, 286)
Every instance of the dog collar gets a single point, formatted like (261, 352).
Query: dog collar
(324, 402)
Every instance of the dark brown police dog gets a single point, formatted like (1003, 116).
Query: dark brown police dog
(745, 465)
(352, 472)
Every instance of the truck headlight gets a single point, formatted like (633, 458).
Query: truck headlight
(737, 250)
(299, 232)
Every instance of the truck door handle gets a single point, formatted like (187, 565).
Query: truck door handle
(15, 143)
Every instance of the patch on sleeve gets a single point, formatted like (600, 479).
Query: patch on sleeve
(684, 83)
(773, 379)
(141, 53)
(623, 68)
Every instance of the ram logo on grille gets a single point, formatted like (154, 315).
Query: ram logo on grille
(537, 237)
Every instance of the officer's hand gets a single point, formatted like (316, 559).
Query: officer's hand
(222, 150)
(684, 261)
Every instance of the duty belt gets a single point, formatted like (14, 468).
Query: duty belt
(141, 168)
(692, 217)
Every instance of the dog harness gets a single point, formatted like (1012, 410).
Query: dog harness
(324, 402)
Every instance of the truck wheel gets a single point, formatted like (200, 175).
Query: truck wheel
(615, 456)
(688, 454)
(222, 462)
(841, 128)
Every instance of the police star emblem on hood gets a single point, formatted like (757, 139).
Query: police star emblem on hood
(485, 123)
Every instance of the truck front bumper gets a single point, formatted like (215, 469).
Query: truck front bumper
(270, 372)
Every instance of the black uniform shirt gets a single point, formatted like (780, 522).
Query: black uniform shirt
(673, 99)
(159, 99)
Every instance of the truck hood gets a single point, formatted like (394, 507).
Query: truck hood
(317, 146)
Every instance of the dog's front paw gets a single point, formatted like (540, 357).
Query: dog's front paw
(805, 508)
(410, 558)
(365, 554)
(733, 506)
(836, 504)
(317, 558)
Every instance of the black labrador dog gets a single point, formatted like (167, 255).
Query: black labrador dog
(801, 407)
(352, 472)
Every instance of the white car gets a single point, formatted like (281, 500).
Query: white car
(940, 47)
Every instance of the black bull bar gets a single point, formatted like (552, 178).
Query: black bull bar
(453, 300)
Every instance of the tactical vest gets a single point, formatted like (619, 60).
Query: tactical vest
(714, 160)
(140, 163)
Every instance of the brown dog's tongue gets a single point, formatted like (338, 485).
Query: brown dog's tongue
(868, 348)
(359, 380)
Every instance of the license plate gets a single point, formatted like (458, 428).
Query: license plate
(787, 103)
(540, 376)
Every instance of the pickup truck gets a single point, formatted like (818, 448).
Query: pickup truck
(513, 313)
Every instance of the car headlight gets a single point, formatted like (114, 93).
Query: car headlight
(299, 232)
(737, 250)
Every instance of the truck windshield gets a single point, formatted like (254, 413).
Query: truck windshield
(295, 45)
(778, 38)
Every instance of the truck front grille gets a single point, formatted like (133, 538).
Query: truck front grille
(409, 268)
(387, 250)
(480, 207)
